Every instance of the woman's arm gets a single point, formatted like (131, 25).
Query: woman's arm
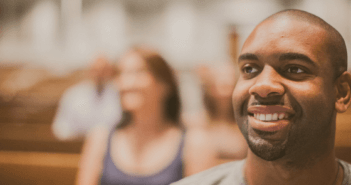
(92, 156)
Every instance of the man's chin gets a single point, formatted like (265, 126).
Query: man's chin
(266, 150)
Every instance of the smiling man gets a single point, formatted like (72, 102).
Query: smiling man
(292, 84)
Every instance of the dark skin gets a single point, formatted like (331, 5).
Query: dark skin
(285, 64)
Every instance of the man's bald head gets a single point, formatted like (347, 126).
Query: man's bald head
(336, 46)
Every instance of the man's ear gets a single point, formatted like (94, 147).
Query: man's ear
(343, 92)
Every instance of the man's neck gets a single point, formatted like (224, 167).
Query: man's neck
(322, 172)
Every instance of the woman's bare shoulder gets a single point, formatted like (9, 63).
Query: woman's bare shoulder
(92, 156)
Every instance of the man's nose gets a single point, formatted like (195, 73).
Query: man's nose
(267, 83)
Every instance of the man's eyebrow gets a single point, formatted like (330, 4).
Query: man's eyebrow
(296, 56)
(247, 56)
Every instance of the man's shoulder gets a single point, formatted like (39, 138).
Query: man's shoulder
(347, 172)
(220, 175)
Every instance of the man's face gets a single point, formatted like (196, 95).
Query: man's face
(284, 99)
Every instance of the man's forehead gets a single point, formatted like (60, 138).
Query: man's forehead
(282, 25)
(285, 28)
(286, 35)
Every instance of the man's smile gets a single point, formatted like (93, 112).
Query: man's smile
(269, 118)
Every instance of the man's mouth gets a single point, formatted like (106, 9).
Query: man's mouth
(269, 118)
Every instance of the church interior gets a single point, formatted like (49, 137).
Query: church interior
(46, 46)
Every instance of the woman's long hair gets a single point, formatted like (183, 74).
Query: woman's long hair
(163, 73)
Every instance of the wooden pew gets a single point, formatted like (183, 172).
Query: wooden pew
(34, 137)
(34, 168)
(29, 152)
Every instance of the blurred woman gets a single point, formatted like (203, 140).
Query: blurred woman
(149, 145)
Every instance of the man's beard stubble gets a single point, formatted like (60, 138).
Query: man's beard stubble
(264, 149)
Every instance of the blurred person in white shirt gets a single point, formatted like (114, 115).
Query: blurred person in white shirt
(93, 102)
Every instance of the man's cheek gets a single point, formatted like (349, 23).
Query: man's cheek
(312, 91)
(240, 93)
(240, 105)
(313, 105)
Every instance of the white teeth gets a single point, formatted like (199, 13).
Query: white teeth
(275, 116)
(268, 117)
(281, 116)
(262, 117)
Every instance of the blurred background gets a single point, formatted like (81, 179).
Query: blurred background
(46, 46)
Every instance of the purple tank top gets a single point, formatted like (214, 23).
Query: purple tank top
(111, 175)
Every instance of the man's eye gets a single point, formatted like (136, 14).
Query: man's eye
(295, 70)
(249, 70)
